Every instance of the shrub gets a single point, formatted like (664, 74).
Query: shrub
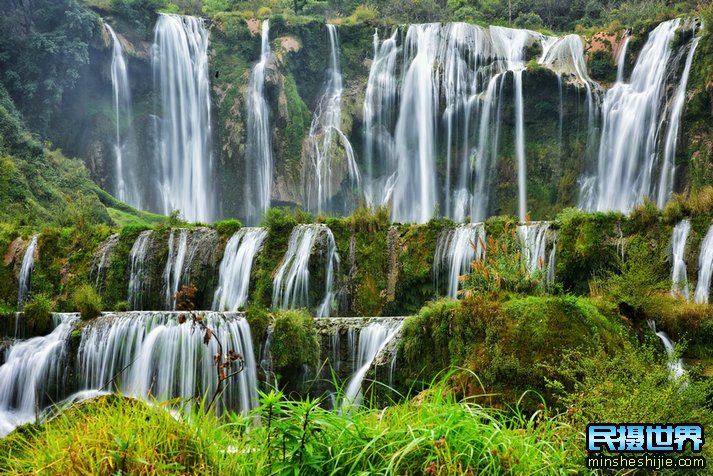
(259, 320)
(122, 306)
(294, 341)
(87, 302)
(227, 228)
(38, 314)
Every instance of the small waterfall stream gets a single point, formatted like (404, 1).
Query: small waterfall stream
(373, 339)
(534, 238)
(180, 59)
(26, 269)
(259, 135)
(675, 365)
(679, 272)
(100, 263)
(126, 185)
(455, 250)
(236, 267)
(292, 281)
(172, 274)
(324, 132)
(32, 368)
(705, 269)
(137, 269)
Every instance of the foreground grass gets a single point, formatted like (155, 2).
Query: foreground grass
(116, 435)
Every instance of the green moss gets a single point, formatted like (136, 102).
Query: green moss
(259, 320)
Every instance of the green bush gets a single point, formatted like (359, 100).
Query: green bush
(38, 314)
(122, 306)
(259, 320)
(227, 228)
(294, 341)
(87, 302)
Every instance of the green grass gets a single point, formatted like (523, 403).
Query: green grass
(436, 435)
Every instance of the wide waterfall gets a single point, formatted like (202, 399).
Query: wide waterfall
(373, 339)
(291, 285)
(125, 150)
(455, 250)
(679, 272)
(633, 114)
(705, 269)
(32, 374)
(324, 132)
(151, 355)
(258, 152)
(185, 164)
(26, 269)
(137, 269)
(236, 267)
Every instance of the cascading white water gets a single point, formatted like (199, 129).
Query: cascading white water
(372, 340)
(621, 61)
(633, 114)
(173, 272)
(151, 355)
(236, 267)
(100, 264)
(533, 240)
(668, 168)
(705, 269)
(679, 272)
(455, 250)
(125, 151)
(30, 367)
(180, 60)
(451, 88)
(675, 365)
(324, 132)
(137, 269)
(290, 287)
(26, 269)
(259, 136)
(378, 113)
(552, 261)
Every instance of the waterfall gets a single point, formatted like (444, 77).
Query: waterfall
(621, 62)
(633, 114)
(125, 150)
(533, 240)
(679, 272)
(373, 339)
(455, 250)
(236, 268)
(172, 274)
(705, 269)
(32, 367)
(668, 168)
(675, 365)
(100, 263)
(163, 359)
(25, 278)
(324, 132)
(378, 113)
(138, 269)
(414, 195)
(259, 136)
(180, 60)
(290, 287)
(552, 260)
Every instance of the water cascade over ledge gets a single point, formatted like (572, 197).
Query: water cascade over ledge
(25, 278)
(679, 272)
(185, 162)
(455, 250)
(236, 267)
